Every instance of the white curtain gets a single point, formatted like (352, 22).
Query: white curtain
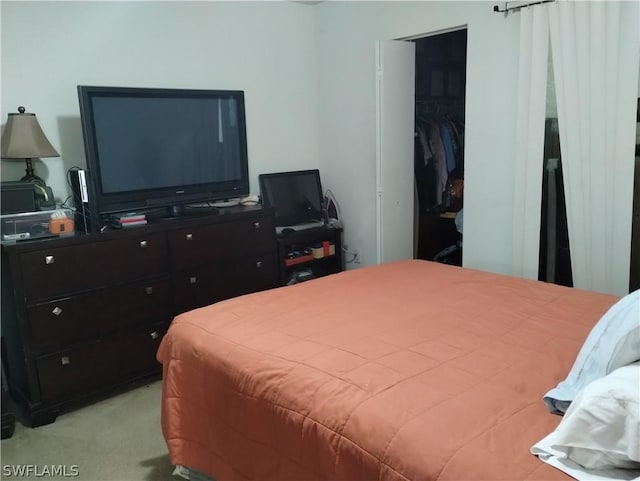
(595, 48)
(532, 85)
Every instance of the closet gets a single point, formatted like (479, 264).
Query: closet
(439, 145)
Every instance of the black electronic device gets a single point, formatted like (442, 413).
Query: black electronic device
(296, 196)
(148, 148)
(17, 197)
(86, 217)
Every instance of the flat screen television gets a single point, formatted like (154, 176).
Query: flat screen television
(148, 148)
(296, 196)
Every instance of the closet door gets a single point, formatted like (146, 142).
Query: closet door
(395, 107)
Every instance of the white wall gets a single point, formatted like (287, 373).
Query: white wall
(308, 74)
(346, 32)
(266, 49)
(297, 105)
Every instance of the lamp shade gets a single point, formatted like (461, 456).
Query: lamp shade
(24, 139)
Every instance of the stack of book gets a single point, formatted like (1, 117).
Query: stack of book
(298, 256)
(131, 219)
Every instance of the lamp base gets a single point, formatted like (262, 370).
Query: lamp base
(44, 195)
(32, 177)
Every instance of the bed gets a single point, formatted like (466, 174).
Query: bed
(410, 370)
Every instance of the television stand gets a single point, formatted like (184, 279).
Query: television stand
(177, 212)
(186, 210)
(310, 253)
(298, 227)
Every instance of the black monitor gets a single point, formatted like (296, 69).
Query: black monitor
(149, 147)
(297, 196)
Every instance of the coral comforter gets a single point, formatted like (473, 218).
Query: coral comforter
(410, 370)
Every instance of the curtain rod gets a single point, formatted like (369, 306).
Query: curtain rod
(508, 9)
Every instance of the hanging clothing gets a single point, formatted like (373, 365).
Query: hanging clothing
(438, 161)
(447, 142)
(424, 170)
(439, 156)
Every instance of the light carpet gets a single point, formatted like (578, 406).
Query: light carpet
(115, 439)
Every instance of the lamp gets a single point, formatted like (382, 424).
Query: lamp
(24, 139)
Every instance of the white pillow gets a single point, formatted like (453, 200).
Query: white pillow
(601, 428)
(612, 343)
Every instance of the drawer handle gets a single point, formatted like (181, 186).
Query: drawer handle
(193, 280)
(49, 260)
(256, 225)
(154, 335)
(65, 360)
(258, 264)
(148, 290)
(189, 236)
(143, 244)
(56, 311)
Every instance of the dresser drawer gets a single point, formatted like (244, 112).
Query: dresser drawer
(205, 285)
(196, 246)
(87, 316)
(51, 272)
(92, 366)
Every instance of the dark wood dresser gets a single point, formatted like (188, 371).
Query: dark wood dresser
(83, 315)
